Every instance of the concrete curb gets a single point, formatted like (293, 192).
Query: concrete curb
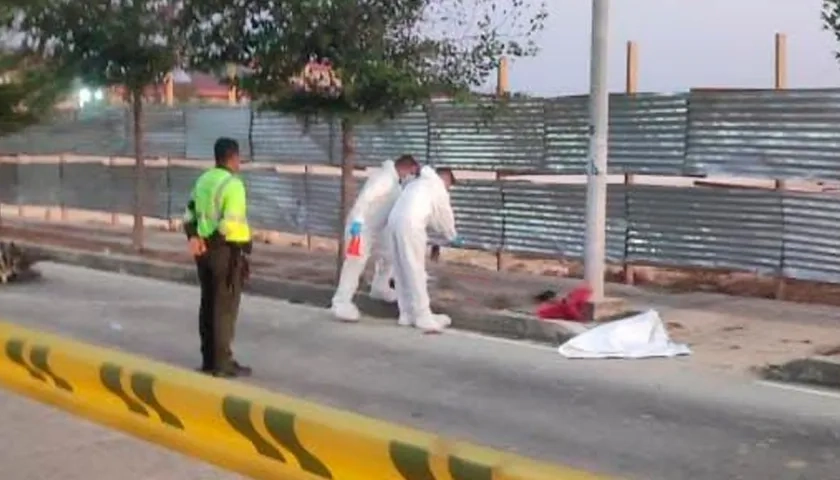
(820, 371)
(506, 324)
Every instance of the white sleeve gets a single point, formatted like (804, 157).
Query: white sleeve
(377, 186)
(443, 218)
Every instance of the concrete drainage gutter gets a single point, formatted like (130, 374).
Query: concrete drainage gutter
(499, 323)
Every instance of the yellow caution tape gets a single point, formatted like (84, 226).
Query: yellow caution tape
(245, 429)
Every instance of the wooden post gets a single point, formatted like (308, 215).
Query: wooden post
(780, 83)
(307, 172)
(231, 74)
(62, 169)
(631, 82)
(348, 186)
(502, 78)
(502, 91)
(169, 89)
(115, 216)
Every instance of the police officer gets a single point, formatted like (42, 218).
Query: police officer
(220, 240)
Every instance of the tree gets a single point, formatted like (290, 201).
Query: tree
(356, 60)
(29, 90)
(831, 20)
(132, 43)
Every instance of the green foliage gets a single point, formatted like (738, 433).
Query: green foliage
(28, 91)
(106, 42)
(831, 20)
(390, 55)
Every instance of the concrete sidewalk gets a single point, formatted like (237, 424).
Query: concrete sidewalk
(38, 442)
(725, 332)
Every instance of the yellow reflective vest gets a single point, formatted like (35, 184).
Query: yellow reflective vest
(218, 204)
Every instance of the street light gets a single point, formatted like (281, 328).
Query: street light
(596, 165)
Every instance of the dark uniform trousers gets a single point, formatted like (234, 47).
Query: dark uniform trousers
(221, 274)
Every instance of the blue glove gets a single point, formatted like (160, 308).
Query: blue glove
(457, 242)
(355, 228)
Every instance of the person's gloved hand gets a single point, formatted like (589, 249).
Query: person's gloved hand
(356, 228)
(457, 242)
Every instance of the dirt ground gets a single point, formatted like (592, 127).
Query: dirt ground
(734, 332)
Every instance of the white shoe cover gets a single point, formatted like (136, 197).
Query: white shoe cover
(387, 295)
(346, 312)
(443, 320)
(405, 321)
(428, 324)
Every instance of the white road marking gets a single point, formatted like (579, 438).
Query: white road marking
(799, 389)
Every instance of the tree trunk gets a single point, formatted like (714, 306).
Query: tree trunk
(139, 171)
(348, 186)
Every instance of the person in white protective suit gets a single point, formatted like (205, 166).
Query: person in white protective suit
(366, 222)
(424, 203)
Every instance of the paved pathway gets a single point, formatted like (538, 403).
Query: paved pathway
(38, 442)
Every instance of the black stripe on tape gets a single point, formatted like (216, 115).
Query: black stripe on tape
(461, 469)
(413, 464)
(109, 375)
(143, 386)
(14, 352)
(281, 426)
(237, 412)
(39, 356)
(38, 366)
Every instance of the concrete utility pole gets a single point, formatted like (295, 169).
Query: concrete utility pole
(596, 166)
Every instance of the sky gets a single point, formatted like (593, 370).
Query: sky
(683, 44)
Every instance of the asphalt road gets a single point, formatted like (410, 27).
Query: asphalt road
(647, 420)
(38, 442)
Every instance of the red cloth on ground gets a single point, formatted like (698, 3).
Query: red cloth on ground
(570, 307)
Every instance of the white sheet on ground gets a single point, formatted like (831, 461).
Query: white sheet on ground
(639, 336)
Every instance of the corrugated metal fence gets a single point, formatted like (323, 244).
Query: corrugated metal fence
(764, 231)
(760, 133)
(763, 134)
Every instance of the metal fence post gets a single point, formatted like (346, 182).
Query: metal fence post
(596, 169)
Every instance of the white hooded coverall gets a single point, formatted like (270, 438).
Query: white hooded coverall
(372, 207)
(424, 203)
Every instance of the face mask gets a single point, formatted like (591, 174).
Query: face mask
(407, 179)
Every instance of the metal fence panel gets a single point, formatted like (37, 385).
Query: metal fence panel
(40, 184)
(479, 213)
(165, 133)
(204, 125)
(9, 183)
(812, 236)
(180, 180)
(706, 227)
(566, 134)
(647, 133)
(765, 133)
(86, 186)
(156, 204)
(549, 219)
(323, 204)
(286, 139)
(487, 135)
(98, 132)
(276, 201)
(387, 140)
